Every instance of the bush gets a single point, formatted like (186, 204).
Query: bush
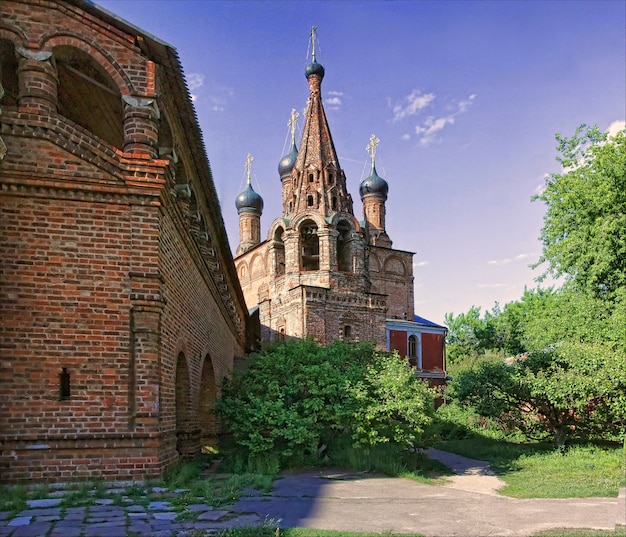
(298, 398)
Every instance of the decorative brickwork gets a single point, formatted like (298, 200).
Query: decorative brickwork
(120, 307)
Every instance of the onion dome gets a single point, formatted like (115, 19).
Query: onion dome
(287, 163)
(374, 185)
(314, 68)
(249, 200)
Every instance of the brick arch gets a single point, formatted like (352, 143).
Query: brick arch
(209, 424)
(99, 54)
(183, 406)
(374, 262)
(394, 265)
(14, 34)
(257, 266)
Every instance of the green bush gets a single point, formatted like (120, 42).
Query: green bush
(298, 398)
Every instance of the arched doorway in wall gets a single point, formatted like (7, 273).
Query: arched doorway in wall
(183, 406)
(209, 424)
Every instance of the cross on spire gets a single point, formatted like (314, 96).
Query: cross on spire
(313, 33)
(371, 147)
(248, 165)
(292, 124)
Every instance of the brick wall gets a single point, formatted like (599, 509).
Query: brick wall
(120, 311)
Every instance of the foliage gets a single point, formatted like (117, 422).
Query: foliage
(584, 231)
(297, 399)
(470, 335)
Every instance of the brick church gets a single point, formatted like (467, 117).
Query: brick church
(322, 273)
(120, 307)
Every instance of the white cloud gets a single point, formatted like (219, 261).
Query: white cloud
(616, 126)
(421, 264)
(194, 82)
(491, 285)
(429, 128)
(412, 104)
(508, 260)
(405, 137)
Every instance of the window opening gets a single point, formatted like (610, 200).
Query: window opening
(344, 251)
(334, 203)
(309, 201)
(310, 178)
(64, 385)
(310, 246)
(331, 178)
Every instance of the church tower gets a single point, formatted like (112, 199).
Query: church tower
(373, 191)
(249, 208)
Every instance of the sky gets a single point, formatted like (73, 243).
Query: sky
(465, 97)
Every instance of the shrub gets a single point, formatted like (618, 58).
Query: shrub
(297, 398)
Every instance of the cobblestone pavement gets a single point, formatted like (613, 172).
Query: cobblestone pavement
(46, 518)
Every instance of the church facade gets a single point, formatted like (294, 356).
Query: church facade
(322, 273)
(120, 307)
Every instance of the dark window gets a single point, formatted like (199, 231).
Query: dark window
(331, 178)
(347, 332)
(309, 201)
(310, 178)
(412, 347)
(310, 246)
(64, 385)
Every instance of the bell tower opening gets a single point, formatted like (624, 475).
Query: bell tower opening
(310, 246)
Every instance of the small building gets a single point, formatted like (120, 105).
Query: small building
(120, 306)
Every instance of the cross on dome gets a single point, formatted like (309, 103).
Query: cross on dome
(371, 148)
(248, 165)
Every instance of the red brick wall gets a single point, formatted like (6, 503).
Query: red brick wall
(432, 351)
(102, 273)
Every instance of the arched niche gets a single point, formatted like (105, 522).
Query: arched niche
(88, 96)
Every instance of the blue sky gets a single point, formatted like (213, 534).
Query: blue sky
(465, 97)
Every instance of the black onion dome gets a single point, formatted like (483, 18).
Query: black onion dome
(287, 163)
(374, 184)
(314, 68)
(249, 199)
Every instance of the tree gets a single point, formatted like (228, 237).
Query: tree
(572, 381)
(584, 231)
(297, 399)
(470, 335)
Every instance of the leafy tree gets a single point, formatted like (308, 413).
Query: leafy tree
(571, 383)
(297, 399)
(584, 231)
(470, 335)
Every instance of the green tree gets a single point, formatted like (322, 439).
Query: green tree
(584, 231)
(470, 335)
(298, 398)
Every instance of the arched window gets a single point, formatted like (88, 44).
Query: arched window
(279, 249)
(88, 96)
(412, 350)
(347, 332)
(8, 72)
(344, 249)
(310, 246)
(311, 178)
(331, 178)
(309, 201)
(334, 203)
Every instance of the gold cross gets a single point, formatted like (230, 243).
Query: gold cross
(371, 147)
(292, 124)
(248, 165)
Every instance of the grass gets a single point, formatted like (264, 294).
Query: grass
(267, 531)
(539, 471)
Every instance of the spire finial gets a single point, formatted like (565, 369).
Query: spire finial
(292, 124)
(313, 33)
(248, 165)
(371, 148)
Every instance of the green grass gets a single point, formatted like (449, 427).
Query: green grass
(621, 532)
(266, 531)
(540, 471)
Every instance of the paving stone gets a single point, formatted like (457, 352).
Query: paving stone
(33, 530)
(66, 531)
(165, 516)
(106, 510)
(159, 490)
(105, 501)
(53, 511)
(47, 502)
(104, 532)
(136, 509)
(6, 531)
(48, 518)
(20, 521)
(212, 515)
(4, 515)
(199, 507)
(180, 491)
(138, 516)
(112, 523)
(160, 506)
